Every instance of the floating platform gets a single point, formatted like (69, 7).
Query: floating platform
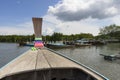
(111, 57)
(46, 64)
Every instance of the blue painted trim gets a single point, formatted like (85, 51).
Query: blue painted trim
(78, 63)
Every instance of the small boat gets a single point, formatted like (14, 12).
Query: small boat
(82, 42)
(111, 57)
(26, 44)
(98, 42)
(58, 45)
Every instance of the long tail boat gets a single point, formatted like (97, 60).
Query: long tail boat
(46, 64)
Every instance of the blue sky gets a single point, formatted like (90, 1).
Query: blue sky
(65, 16)
(17, 11)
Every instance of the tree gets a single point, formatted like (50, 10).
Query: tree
(57, 36)
(109, 29)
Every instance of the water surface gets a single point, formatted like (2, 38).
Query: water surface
(9, 51)
(91, 58)
(85, 55)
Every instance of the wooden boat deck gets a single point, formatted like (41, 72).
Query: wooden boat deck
(40, 59)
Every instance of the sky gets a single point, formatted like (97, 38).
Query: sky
(64, 16)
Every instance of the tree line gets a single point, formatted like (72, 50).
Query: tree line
(49, 38)
(61, 37)
(16, 38)
(107, 32)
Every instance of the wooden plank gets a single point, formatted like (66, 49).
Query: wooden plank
(57, 61)
(23, 63)
(41, 61)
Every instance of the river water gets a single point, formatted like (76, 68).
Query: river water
(9, 51)
(88, 56)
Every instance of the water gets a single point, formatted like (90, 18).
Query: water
(91, 58)
(86, 55)
(9, 51)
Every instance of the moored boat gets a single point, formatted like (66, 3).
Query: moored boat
(82, 42)
(58, 45)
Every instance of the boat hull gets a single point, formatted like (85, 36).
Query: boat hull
(46, 64)
(51, 74)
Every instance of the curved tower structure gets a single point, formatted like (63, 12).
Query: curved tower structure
(37, 23)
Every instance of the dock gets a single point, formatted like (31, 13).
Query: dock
(44, 64)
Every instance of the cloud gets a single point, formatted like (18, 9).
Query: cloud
(115, 20)
(72, 17)
(89, 25)
(75, 10)
(25, 28)
(51, 24)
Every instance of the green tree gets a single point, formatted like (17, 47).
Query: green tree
(57, 36)
(111, 31)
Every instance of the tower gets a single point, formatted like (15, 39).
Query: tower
(37, 23)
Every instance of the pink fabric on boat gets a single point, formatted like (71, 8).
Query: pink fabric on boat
(40, 45)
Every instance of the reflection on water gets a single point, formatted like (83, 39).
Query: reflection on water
(90, 57)
(9, 51)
